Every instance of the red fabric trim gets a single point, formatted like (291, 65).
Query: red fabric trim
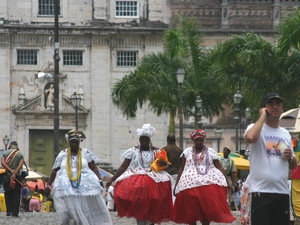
(203, 203)
(295, 173)
(140, 197)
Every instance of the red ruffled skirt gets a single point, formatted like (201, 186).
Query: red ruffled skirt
(140, 197)
(202, 203)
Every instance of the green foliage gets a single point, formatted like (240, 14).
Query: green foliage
(245, 62)
(154, 80)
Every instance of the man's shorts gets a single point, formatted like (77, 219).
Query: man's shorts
(270, 209)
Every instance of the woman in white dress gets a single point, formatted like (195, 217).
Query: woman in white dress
(76, 185)
(200, 189)
(140, 192)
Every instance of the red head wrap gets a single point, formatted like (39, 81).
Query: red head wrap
(198, 133)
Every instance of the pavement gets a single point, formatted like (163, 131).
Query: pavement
(50, 218)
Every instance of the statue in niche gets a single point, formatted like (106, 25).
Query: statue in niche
(49, 97)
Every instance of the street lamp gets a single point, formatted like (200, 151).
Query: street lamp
(248, 115)
(199, 111)
(75, 100)
(237, 97)
(218, 133)
(56, 58)
(180, 77)
(5, 141)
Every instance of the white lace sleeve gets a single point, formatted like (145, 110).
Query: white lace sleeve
(129, 153)
(59, 159)
(213, 154)
(186, 152)
(90, 156)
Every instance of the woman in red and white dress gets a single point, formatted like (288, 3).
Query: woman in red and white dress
(139, 192)
(201, 186)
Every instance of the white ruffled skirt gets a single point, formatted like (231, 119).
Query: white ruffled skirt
(83, 210)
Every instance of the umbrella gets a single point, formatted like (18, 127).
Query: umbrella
(291, 120)
(232, 154)
(240, 163)
(104, 173)
(33, 174)
(39, 182)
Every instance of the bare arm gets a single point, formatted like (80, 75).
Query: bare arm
(233, 176)
(292, 163)
(14, 172)
(52, 176)
(288, 155)
(180, 172)
(253, 133)
(219, 166)
(119, 172)
(5, 166)
(93, 167)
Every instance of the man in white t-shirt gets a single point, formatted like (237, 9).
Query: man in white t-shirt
(270, 160)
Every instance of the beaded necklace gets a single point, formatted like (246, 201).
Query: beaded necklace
(141, 161)
(79, 167)
(203, 154)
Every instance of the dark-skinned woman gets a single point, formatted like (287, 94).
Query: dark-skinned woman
(139, 192)
(200, 189)
(76, 187)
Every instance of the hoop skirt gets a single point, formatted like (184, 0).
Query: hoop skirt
(205, 202)
(201, 190)
(139, 196)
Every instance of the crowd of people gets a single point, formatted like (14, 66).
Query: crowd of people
(155, 185)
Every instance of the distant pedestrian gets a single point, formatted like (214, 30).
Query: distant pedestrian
(140, 192)
(12, 160)
(230, 171)
(173, 153)
(245, 203)
(201, 193)
(270, 160)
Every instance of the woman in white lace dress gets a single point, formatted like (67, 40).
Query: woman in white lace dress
(76, 185)
(200, 189)
(139, 192)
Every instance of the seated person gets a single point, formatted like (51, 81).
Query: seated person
(35, 202)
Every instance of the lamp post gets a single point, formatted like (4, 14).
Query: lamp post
(199, 111)
(75, 100)
(180, 77)
(218, 133)
(5, 141)
(237, 97)
(248, 115)
(56, 58)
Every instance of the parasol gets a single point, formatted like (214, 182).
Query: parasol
(291, 120)
(240, 163)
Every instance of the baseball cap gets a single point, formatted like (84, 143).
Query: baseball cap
(270, 96)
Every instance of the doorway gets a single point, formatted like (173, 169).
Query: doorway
(41, 149)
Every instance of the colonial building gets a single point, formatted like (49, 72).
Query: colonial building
(100, 42)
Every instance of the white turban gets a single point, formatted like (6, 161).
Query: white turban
(147, 130)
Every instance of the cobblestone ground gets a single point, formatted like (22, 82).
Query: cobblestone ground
(51, 219)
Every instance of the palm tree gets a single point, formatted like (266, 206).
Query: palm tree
(153, 83)
(289, 44)
(154, 80)
(249, 63)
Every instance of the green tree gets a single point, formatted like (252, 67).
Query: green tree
(251, 64)
(289, 46)
(154, 82)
